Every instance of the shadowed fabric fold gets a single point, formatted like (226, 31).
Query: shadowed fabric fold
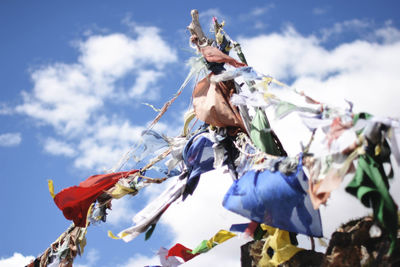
(275, 199)
(211, 102)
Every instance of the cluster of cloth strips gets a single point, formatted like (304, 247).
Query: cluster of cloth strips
(280, 194)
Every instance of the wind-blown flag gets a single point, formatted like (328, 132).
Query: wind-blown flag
(199, 158)
(75, 201)
(275, 199)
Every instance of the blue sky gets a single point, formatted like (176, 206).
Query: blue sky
(74, 75)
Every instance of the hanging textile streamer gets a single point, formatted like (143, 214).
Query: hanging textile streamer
(179, 250)
(275, 199)
(152, 212)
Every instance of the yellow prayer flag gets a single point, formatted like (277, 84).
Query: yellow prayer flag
(51, 188)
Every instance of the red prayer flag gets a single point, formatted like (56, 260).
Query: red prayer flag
(75, 201)
(181, 251)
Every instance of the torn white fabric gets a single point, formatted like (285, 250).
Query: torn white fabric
(153, 211)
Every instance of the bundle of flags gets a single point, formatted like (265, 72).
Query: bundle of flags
(278, 193)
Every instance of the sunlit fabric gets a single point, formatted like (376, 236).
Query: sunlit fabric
(179, 250)
(75, 201)
(211, 103)
(279, 242)
(275, 199)
(217, 239)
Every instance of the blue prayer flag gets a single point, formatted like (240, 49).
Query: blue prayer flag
(275, 199)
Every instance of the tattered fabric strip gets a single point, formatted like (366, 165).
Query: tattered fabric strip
(179, 250)
(153, 211)
(279, 242)
(220, 237)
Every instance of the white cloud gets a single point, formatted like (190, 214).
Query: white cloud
(388, 34)
(354, 25)
(63, 97)
(106, 143)
(361, 71)
(139, 261)
(203, 211)
(10, 139)
(74, 98)
(16, 260)
(56, 147)
(145, 80)
(121, 211)
(91, 257)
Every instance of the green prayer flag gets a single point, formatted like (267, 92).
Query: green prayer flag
(370, 185)
(283, 109)
(201, 248)
(263, 137)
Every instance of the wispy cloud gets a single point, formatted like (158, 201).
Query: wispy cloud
(91, 257)
(10, 139)
(388, 34)
(6, 109)
(72, 98)
(354, 26)
(256, 13)
(259, 25)
(332, 74)
(259, 11)
(146, 79)
(206, 22)
(121, 211)
(209, 13)
(319, 10)
(57, 147)
(139, 261)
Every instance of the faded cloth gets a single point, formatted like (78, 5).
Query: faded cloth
(75, 201)
(150, 214)
(198, 155)
(213, 54)
(211, 102)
